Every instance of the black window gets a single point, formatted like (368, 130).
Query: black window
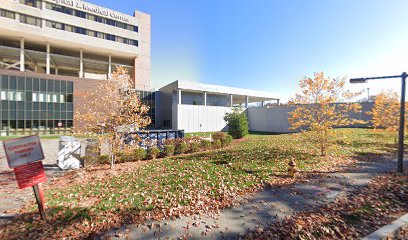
(57, 86)
(29, 84)
(80, 30)
(111, 22)
(135, 28)
(13, 83)
(69, 98)
(36, 84)
(50, 85)
(99, 19)
(67, 10)
(63, 86)
(43, 85)
(4, 82)
(110, 37)
(70, 87)
(80, 14)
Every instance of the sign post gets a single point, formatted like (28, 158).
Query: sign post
(24, 155)
(39, 197)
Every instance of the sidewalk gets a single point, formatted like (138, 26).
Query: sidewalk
(261, 209)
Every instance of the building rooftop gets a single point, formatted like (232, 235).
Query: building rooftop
(254, 95)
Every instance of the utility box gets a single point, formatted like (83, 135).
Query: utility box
(69, 153)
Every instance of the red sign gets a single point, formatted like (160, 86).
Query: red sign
(30, 174)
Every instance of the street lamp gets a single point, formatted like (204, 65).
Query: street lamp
(403, 76)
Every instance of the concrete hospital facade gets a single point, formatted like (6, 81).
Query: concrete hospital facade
(52, 51)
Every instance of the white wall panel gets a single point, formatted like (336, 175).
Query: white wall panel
(276, 120)
(189, 118)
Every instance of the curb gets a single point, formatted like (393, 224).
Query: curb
(389, 231)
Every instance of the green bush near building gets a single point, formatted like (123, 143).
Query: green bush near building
(216, 144)
(219, 136)
(225, 142)
(206, 145)
(153, 152)
(194, 147)
(181, 148)
(139, 154)
(237, 123)
(168, 150)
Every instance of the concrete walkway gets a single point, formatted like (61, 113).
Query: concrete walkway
(261, 209)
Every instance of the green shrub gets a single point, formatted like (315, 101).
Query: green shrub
(226, 141)
(219, 136)
(104, 159)
(181, 148)
(237, 123)
(194, 147)
(216, 144)
(168, 150)
(153, 152)
(123, 157)
(139, 154)
(206, 145)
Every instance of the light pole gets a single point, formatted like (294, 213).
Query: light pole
(368, 94)
(403, 76)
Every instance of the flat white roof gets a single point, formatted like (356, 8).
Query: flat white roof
(218, 89)
(210, 88)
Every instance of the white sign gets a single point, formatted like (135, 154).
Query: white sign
(22, 151)
(92, 8)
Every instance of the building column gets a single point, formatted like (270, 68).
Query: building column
(48, 71)
(179, 96)
(22, 57)
(246, 101)
(81, 63)
(56, 71)
(110, 66)
(134, 72)
(231, 100)
(278, 101)
(205, 98)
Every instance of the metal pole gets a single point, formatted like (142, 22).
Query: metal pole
(401, 127)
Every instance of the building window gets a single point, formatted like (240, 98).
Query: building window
(30, 20)
(41, 97)
(80, 14)
(32, 3)
(7, 14)
(80, 30)
(11, 96)
(91, 33)
(110, 37)
(89, 16)
(19, 96)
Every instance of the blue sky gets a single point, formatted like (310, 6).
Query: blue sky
(269, 45)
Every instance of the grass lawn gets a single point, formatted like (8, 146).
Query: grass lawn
(187, 184)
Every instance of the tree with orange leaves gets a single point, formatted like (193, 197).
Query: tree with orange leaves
(111, 107)
(385, 113)
(321, 105)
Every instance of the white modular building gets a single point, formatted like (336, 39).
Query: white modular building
(198, 107)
